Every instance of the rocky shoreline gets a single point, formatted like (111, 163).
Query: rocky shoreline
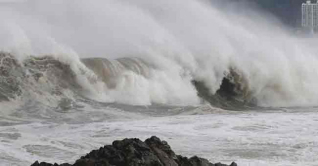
(134, 152)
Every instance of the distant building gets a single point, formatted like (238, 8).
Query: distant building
(310, 16)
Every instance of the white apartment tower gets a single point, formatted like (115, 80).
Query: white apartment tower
(310, 15)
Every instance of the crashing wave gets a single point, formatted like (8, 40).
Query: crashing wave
(49, 76)
(10, 74)
(109, 71)
(42, 76)
(234, 92)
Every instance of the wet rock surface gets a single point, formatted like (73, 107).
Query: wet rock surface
(134, 152)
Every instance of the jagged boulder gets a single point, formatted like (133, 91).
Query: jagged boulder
(134, 152)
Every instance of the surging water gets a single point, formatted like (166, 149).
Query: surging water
(76, 64)
(183, 40)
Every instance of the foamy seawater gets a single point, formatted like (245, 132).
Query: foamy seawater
(277, 137)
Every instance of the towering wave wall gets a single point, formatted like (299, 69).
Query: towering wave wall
(145, 52)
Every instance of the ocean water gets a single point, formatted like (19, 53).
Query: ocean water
(223, 81)
(271, 137)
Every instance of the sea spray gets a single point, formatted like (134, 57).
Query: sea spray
(182, 40)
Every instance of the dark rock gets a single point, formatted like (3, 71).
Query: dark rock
(133, 152)
(125, 152)
(193, 161)
(233, 164)
(162, 150)
(48, 164)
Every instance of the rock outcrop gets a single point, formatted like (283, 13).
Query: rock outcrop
(134, 152)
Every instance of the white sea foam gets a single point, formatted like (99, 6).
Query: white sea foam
(248, 138)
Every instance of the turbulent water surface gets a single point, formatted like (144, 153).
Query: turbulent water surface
(218, 80)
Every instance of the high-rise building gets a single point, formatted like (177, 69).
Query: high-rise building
(310, 15)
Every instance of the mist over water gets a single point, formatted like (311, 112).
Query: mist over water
(178, 40)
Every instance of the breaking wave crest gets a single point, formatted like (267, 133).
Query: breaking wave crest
(42, 79)
(122, 80)
(160, 52)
